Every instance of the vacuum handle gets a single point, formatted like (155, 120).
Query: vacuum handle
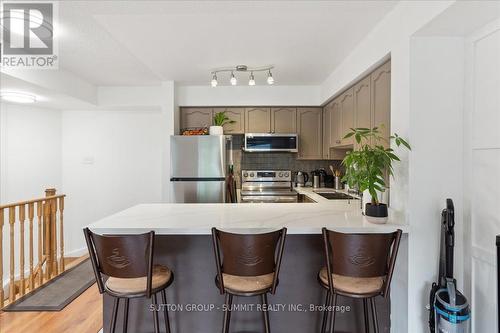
(452, 292)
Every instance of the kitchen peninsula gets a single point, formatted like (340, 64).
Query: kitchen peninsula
(184, 244)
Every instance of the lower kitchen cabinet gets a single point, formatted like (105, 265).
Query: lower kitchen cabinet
(309, 129)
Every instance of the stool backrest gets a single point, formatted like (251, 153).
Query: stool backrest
(361, 254)
(121, 256)
(248, 254)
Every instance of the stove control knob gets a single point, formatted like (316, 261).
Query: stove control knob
(287, 174)
(251, 174)
(280, 174)
(245, 175)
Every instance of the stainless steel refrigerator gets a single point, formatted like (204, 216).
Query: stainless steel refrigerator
(199, 168)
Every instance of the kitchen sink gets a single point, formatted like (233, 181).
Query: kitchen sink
(335, 195)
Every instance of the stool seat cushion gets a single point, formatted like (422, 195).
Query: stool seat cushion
(161, 276)
(247, 283)
(353, 285)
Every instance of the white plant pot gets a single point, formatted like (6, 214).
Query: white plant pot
(216, 130)
(376, 220)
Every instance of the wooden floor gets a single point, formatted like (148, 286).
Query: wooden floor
(83, 315)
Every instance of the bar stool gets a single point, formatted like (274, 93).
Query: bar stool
(247, 265)
(358, 266)
(128, 262)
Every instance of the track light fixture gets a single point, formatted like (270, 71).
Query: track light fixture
(270, 79)
(242, 68)
(233, 79)
(214, 80)
(251, 82)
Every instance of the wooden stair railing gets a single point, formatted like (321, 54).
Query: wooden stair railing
(49, 211)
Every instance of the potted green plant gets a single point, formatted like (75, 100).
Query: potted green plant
(220, 119)
(367, 166)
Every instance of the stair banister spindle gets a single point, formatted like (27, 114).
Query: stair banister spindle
(31, 214)
(39, 206)
(22, 218)
(2, 296)
(61, 234)
(12, 286)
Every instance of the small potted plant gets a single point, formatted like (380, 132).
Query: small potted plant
(367, 166)
(220, 119)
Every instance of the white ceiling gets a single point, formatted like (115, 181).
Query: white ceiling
(144, 42)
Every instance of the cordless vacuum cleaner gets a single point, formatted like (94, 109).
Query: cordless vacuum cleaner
(449, 309)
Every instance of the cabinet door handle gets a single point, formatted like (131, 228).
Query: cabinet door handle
(338, 141)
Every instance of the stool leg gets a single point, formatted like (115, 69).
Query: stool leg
(165, 310)
(125, 316)
(114, 314)
(325, 312)
(154, 301)
(374, 315)
(266, 313)
(332, 320)
(227, 314)
(365, 310)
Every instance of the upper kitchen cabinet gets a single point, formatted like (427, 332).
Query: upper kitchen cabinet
(258, 120)
(327, 110)
(196, 117)
(335, 123)
(346, 104)
(283, 120)
(238, 116)
(309, 123)
(362, 103)
(381, 100)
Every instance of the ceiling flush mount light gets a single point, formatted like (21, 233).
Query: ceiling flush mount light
(242, 68)
(214, 80)
(17, 97)
(251, 82)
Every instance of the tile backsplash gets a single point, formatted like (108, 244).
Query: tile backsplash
(273, 161)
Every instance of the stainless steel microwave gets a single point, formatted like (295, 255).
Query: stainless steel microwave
(271, 142)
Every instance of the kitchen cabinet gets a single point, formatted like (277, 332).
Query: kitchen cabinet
(326, 131)
(235, 114)
(309, 129)
(257, 120)
(283, 120)
(362, 103)
(346, 104)
(381, 100)
(196, 117)
(335, 123)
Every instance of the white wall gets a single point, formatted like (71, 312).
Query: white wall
(246, 95)
(30, 159)
(436, 161)
(111, 160)
(482, 176)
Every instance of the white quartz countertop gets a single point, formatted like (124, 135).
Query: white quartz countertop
(196, 219)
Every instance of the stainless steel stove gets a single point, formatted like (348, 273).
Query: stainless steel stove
(267, 186)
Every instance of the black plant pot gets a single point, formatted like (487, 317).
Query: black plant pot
(379, 210)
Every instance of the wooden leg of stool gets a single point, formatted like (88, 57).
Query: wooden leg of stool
(165, 310)
(325, 312)
(334, 305)
(227, 314)
(374, 315)
(154, 301)
(114, 314)
(266, 313)
(125, 316)
(365, 310)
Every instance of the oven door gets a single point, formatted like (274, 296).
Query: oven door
(266, 142)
